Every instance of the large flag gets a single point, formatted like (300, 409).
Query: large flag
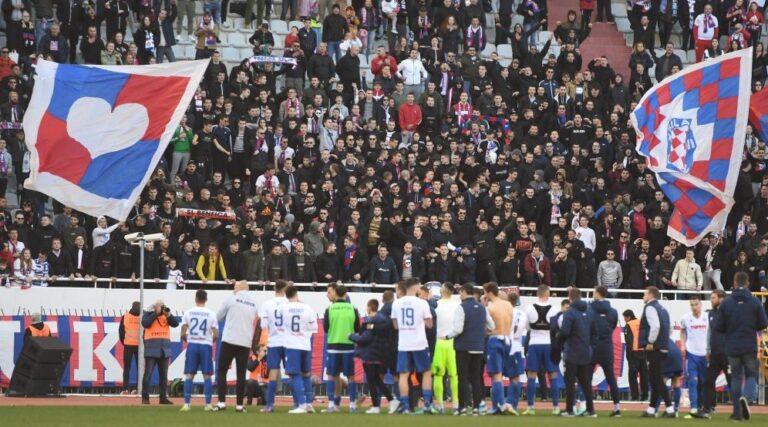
(96, 132)
(691, 128)
(758, 113)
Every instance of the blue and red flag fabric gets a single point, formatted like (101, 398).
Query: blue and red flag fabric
(691, 128)
(758, 113)
(96, 132)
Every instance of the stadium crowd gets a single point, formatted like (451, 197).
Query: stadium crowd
(448, 166)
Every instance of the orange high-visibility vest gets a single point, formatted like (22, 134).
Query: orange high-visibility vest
(34, 332)
(159, 330)
(634, 326)
(131, 324)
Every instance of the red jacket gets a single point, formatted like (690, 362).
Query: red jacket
(529, 266)
(587, 5)
(378, 62)
(410, 117)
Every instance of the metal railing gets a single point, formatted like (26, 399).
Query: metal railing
(108, 282)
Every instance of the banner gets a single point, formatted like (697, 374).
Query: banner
(88, 319)
(97, 354)
(263, 59)
(200, 213)
(691, 128)
(96, 133)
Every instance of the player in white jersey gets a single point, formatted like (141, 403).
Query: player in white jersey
(694, 334)
(410, 316)
(239, 314)
(300, 324)
(199, 328)
(444, 359)
(516, 365)
(538, 316)
(275, 325)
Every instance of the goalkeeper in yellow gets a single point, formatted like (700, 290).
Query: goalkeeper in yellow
(444, 360)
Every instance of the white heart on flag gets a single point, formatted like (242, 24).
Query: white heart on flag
(92, 122)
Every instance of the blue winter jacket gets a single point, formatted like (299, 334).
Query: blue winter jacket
(742, 315)
(576, 334)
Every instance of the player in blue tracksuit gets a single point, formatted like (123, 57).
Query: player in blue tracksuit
(576, 334)
(606, 318)
(742, 320)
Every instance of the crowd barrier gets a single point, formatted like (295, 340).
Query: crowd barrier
(88, 319)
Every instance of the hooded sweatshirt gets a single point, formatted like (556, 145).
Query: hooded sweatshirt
(576, 334)
(606, 318)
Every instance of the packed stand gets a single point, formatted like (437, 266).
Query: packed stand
(452, 164)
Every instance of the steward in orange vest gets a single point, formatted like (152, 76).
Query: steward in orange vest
(157, 323)
(37, 328)
(129, 337)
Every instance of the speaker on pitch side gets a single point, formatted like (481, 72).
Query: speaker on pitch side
(40, 367)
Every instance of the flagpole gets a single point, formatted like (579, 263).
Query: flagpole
(140, 380)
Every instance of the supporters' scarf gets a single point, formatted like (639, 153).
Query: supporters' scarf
(263, 59)
(349, 254)
(463, 112)
(474, 36)
(201, 213)
(708, 22)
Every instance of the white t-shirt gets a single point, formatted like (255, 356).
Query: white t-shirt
(300, 323)
(272, 320)
(695, 333)
(539, 336)
(518, 331)
(410, 313)
(446, 311)
(200, 322)
(239, 314)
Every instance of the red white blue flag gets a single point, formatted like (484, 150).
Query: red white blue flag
(691, 128)
(96, 132)
(758, 113)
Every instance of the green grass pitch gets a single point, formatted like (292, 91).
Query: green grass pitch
(144, 416)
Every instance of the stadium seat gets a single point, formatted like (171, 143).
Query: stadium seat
(297, 24)
(230, 54)
(691, 57)
(277, 26)
(178, 51)
(363, 61)
(504, 50)
(246, 52)
(237, 39)
(622, 24)
(224, 40)
(279, 42)
(190, 51)
(489, 48)
(618, 9)
(237, 21)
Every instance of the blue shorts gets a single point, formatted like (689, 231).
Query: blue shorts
(340, 363)
(496, 355)
(515, 366)
(275, 356)
(539, 357)
(199, 358)
(297, 361)
(414, 361)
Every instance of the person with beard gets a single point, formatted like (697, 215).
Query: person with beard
(233, 261)
(485, 244)
(563, 269)
(276, 265)
(301, 268)
(430, 112)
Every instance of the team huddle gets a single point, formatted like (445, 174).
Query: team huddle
(426, 339)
